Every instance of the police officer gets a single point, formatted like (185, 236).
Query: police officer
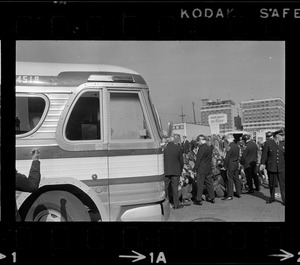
(231, 163)
(203, 167)
(249, 161)
(273, 159)
(269, 135)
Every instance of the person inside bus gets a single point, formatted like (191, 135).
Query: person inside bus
(31, 183)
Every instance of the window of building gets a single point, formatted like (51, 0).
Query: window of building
(127, 119)
(29, 111)
(84, 122)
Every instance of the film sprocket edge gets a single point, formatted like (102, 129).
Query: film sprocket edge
(176, 242)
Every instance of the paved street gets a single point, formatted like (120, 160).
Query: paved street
(248, 208)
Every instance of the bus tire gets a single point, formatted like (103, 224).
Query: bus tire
(57, 206)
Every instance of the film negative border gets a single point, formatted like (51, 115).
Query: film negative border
(170, 243)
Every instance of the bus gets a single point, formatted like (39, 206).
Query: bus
(99, 137)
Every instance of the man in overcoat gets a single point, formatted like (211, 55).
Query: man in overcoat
(173, 163)
(249, 161)
(231, 163)
(185, 145)
(203, 167)
(273, 159)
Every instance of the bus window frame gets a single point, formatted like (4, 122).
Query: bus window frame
(126, 90)
(74, 101)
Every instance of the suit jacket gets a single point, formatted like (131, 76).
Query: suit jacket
(186, 146)
(231, 161)
(31, 183)
(192, 145)
(173, 159)
(203, 164)
(249, 156)
(273, 156)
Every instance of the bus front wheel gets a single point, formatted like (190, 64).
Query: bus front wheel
(57, 206)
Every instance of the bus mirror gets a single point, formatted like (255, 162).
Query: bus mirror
(170, 128)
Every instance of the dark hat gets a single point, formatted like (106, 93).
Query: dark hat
(246, 137)
(201, 137)
(176, 138)
(269, 134)
(280, 131)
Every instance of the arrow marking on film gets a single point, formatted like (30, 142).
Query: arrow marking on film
(285, 256)
(137, 258)
(2, 256)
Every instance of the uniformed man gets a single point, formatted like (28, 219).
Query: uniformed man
(203, 167)
(249, 161)
(273, 159)
(269, 136)
(231, 163)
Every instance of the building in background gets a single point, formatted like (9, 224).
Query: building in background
(263, 114)
(238, 122)
(213, 107)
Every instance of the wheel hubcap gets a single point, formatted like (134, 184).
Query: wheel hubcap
(49, 216)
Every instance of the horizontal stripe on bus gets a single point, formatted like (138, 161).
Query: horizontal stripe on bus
(120, 181)
(48, 152)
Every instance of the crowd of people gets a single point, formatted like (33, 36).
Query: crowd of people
(226, 167)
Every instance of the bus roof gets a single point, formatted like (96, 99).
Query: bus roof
(68, 74)
(35, 68)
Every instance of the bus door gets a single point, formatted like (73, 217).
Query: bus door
(130, 143)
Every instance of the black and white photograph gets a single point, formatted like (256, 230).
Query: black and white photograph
(155, 131)
(0, 132)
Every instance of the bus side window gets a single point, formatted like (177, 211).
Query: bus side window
(29, 111)
(84, 121)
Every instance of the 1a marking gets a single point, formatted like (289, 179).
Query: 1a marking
(160, 257)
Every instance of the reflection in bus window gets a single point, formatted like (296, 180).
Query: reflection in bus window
(84, 121)
(29, 111)
(127, 119)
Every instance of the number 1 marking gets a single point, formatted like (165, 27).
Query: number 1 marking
(14, 254)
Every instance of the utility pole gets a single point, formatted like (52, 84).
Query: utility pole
(194, 112)
(182, 116)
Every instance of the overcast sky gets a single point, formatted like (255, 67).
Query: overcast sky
(180, 72)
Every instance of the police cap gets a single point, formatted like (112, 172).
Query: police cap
(280, 131)
(201, 137)
(269, 134)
